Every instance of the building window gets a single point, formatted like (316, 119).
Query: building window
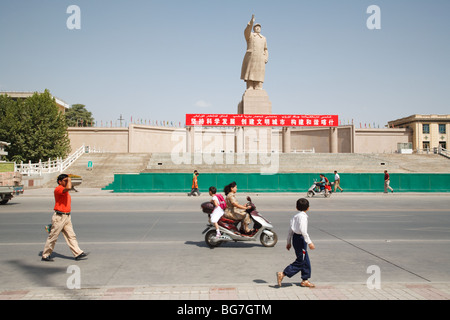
(441, 128)
(443, 144)
(426, 145)
(425, 128)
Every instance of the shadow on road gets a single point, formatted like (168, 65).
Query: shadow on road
(202, 244)
(41, 275)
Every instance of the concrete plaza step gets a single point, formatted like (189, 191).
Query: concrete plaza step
(300, 162)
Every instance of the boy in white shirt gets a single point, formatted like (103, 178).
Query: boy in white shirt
(217, 212)
(298, 236)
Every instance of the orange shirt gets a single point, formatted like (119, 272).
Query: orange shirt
(194, 182)
(62, 200)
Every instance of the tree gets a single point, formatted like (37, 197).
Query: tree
(9, 124)
(35, 127)
(8, 109)
(78, 116)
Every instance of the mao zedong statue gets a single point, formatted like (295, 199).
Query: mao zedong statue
(256, 57)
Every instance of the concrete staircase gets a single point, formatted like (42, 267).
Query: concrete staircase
(105, 165)
(303, 162)
(414, 163)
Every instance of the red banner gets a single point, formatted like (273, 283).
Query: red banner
(262, 120)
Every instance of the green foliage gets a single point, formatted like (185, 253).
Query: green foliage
(35, 127)
(78, 116)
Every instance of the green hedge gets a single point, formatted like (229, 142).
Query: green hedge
(6, 166)
(282, 182)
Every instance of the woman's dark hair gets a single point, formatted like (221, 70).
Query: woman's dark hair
(302, 204)
(213, 190)
(228, 187)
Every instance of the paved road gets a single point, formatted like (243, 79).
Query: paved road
(143, 241)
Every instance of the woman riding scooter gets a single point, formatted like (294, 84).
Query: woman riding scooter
(324, 184)
(234, 210)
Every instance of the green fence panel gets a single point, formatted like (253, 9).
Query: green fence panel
(283, 182)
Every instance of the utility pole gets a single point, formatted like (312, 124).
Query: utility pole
(121, 119)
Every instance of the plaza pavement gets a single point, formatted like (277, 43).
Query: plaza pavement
(290, 290)
(244, 292)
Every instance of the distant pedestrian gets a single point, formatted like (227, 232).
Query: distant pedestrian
(386, 182)
(62, 222)
(194, 188)
(298, 236)
(337, 181)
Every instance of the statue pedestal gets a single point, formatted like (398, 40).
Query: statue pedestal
(255, 139)
(255, 102)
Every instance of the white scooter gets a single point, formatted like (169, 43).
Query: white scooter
(262, 229)
(314, 190)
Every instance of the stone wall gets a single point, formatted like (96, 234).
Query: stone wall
(150, 139)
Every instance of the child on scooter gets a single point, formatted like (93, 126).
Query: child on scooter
(218, 211)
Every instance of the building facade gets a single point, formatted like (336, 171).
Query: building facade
(62, 105)
(429, 132)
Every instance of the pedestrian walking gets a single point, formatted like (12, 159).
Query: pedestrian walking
(194, 188)
(337, 182)
(62, 222)
(386, 182)
(299, 238)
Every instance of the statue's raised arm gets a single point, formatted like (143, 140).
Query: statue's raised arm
(248, 29)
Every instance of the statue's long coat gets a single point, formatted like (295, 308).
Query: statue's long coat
(254, 64)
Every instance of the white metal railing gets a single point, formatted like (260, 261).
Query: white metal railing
(434, 150)
(444, 152)
(305, 151)
(51, 166)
